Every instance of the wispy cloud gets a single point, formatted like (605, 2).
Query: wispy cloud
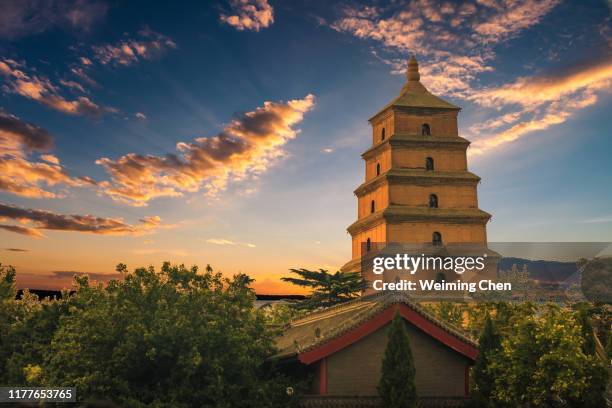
(19, 18)
(20, 175)
(41, 89)
(16, 250)
(538, 103)
(224, 242)
(456, 43)
(18, 229)
(252, 15)
(148, 45)
(247, 146)
(38, 220)
(455, 40)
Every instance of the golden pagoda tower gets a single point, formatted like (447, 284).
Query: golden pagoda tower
(417, 187)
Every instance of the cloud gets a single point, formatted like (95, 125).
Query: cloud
(224, 242)
(41, 89)
(539, 102)
(251, 15)
(456, 43)
(19, 18)
(21, 176)
(17, 135)
(16, 250)
(38, 220)
(327, 150)
(149, 45)
(30, 232)
(140, 115)
(245, 147)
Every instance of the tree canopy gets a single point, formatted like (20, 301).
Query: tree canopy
(170, 338)
(327, 289)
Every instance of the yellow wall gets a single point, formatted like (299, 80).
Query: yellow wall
(421, 232)
(448, 196)
(441, 124)
(387, 121)
(444, 159)
(384, 158)
(376, 234)
(380, 197)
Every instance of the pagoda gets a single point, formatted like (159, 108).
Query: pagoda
(417, 187)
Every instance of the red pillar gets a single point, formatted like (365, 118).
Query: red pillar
(323, 376)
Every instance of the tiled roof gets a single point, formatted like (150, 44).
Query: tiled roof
(415, 95)
(319, 327)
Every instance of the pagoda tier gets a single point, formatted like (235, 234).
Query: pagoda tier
(417, 187)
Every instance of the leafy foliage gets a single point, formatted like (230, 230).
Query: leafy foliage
(397, 387)
(542, 363)
(327, 289)
(173, 338)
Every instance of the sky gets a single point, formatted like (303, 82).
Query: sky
(230, 133)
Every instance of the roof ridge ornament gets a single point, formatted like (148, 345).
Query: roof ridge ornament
(412, 73)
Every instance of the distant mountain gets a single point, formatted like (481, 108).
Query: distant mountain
(42, 293)
(544, 271)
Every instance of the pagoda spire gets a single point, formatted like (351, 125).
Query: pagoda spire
(412, 73)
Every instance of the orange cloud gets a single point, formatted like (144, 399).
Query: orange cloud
(542, 102)
(246, 146)
(252, 15)
(46, 220)
(42, 90)
(20, 176)
(456, 44)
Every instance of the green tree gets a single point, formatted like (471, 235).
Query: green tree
(542, 362)
(584, 320)
(327, 289)
(174, 338)
(489, 344)
(397, 387)
(595, 370)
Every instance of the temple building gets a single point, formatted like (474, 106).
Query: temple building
(417, 190)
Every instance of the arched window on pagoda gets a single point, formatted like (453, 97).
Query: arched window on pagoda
(440, 277)
(382, 134)
(368, 245)
(373, 206)
(425, 130)
(436, 238)
(429, 164)
(378, 169)
(433, 201)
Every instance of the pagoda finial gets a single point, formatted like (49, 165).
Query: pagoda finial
(412, 73)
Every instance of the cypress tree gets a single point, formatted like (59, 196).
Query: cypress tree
(489, 343)
(397, 387)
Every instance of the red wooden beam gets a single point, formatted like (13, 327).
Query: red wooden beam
(379, 321)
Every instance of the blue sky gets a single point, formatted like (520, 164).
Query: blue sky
(533, 79)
